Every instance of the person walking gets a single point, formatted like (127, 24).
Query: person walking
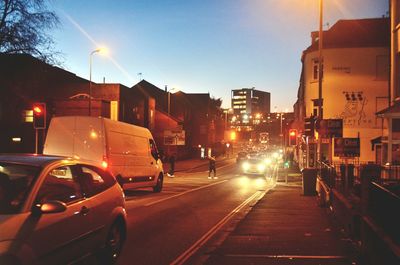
(211, 167)
(171, 166)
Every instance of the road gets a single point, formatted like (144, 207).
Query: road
(171, 226)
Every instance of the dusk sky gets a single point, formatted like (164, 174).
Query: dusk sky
(199, 46)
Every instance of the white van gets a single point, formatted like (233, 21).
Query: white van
(128, 151)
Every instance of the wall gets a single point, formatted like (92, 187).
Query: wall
(353, 89)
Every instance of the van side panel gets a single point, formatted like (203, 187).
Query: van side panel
(89, 138)
(116, 152)
(133, 146)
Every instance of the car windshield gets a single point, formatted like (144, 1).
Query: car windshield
(15, 182)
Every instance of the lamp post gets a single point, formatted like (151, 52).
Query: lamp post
(227, 111)
(98, 50)
(320, 38)
(169, 99)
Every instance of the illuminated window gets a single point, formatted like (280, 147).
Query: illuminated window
(28, 115)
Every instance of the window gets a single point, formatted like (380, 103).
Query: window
(94, 180)
(61, 185)
(315, 70)
(28, 116)
(153, 149)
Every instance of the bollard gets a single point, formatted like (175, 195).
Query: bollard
(309, 176)
(368, 173)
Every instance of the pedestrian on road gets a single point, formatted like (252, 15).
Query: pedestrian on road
(171, 166)
(211, 167)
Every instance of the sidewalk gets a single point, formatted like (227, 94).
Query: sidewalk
(285, 227)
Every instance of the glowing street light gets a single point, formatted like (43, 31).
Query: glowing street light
(169, 97)
(102, 50)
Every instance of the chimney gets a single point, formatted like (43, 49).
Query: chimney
(104, 80)
(166, 88)
(314, 37)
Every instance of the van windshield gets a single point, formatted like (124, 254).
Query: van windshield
(15, 183)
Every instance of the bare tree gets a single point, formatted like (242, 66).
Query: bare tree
(23, 26)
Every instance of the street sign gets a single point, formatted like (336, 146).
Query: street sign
(346, 147)
(174, 137)
(329, 128)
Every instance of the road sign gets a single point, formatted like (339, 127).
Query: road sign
(346, 147)
(329, 128)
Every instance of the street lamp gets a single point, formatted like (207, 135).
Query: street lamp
(98, 50)
(169, 98)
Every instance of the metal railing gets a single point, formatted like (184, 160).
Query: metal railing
(377, 187)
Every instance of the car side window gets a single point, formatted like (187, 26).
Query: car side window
(61, 185)
(94, 180)
(153, 148)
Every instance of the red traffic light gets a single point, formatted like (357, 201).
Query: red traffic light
(39, 115)
(37, 109)
(292, 137)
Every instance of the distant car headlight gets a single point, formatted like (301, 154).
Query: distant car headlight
(261, 167)
(245, 166)
(267, 161)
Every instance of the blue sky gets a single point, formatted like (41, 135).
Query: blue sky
(199, 46)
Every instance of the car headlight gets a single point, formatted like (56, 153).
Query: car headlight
(261, 167)
(245, 165)
(267, 161)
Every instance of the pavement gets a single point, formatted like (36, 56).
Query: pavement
(284, 227)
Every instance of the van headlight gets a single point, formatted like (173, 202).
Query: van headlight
(261, 167)
(245, 166)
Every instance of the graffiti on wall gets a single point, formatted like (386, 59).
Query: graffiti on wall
(354, 111)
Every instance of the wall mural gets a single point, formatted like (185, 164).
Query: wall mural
(353, 113)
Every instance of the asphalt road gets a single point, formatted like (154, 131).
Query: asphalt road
(171, 226)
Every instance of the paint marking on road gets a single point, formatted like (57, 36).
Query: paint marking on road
(185, 192)
(283, 256)
(218, 168)
(196, 246)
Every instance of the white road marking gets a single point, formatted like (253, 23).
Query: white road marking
(185, 192)
(283, 256)
(196, 246)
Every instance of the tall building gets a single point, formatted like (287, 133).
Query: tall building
(250, 101)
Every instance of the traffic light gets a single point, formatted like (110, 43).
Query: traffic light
(292, 137)
(39, 115)
(309, 126)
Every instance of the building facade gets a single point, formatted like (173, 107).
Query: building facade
(355, 83)
(388, 145)
(250, 101)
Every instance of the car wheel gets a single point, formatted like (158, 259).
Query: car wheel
(114, 243)
(159, 185)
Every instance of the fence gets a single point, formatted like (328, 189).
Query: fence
(368, 194)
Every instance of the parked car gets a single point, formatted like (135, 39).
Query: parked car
(129, 151)
(56, 210)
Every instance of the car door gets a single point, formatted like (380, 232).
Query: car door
(60, 237)
(101, 200)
